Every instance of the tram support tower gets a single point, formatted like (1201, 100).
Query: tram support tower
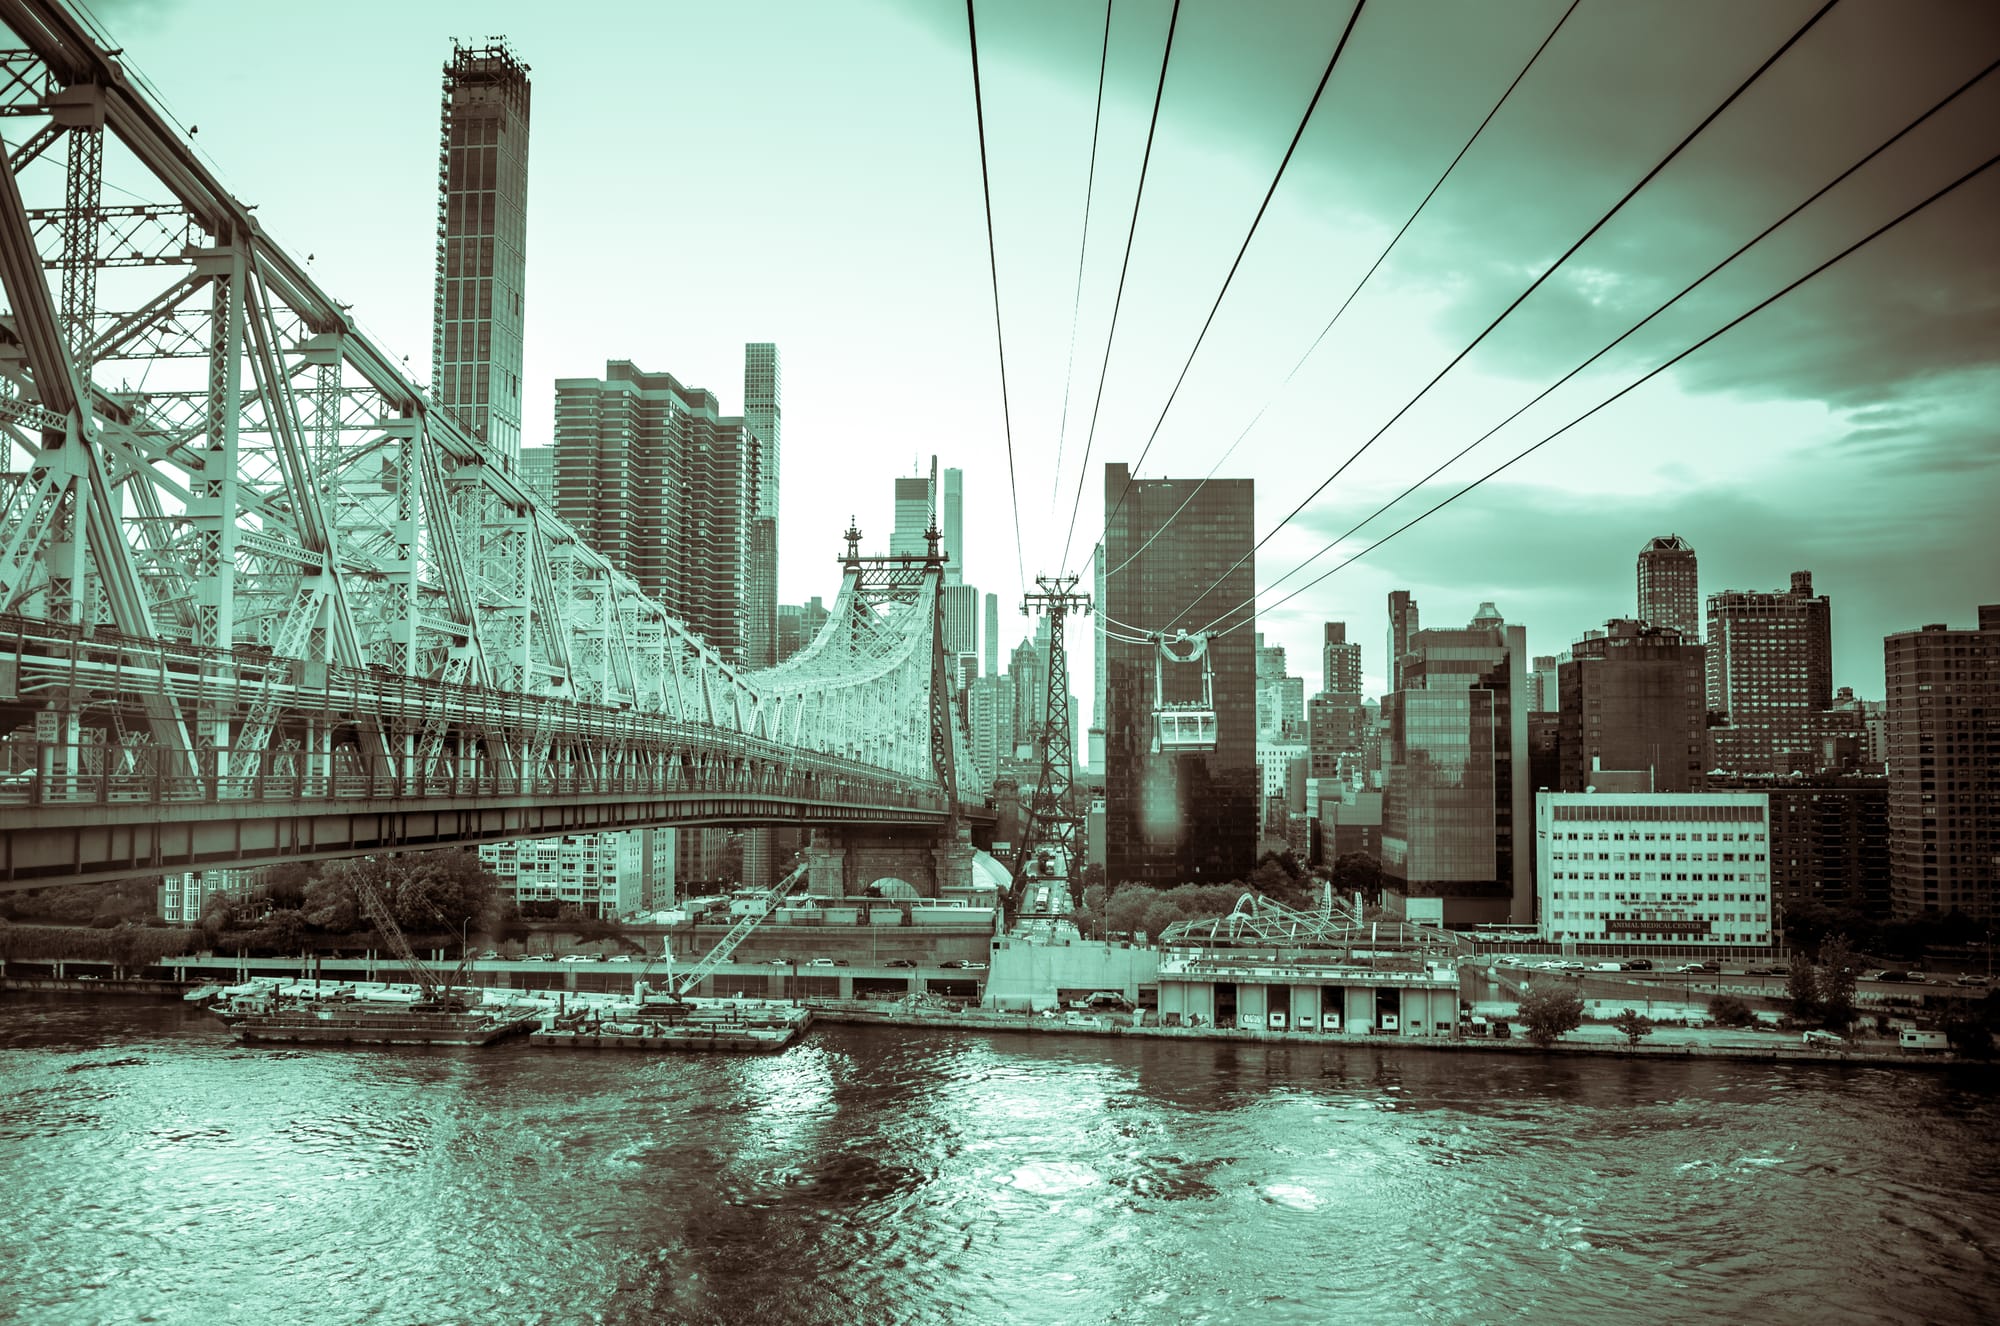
(1054, 820)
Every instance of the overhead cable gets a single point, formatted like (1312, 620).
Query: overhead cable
(1317, 340)
(1533, 286)
(1242, 249)
(993, 264)
(1685, 290)
(1082, 247)
(1145, 162)
(1872, 235)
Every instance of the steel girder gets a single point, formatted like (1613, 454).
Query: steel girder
(274, 489)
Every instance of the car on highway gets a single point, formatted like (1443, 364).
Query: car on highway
(571, 957)
(1688, 967)
(778, 962)
(899, 962)
(538, 957)
(951, 964)
(1970, 979)
(1639, 964)
(823, 962)
(973, 966)
(488, 956)
(1760, 971)
(619, 957)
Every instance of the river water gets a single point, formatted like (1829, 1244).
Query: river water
(156, 1171)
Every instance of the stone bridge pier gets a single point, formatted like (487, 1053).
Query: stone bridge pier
(843, 860)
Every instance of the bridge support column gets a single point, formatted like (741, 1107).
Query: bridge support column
(844, 861)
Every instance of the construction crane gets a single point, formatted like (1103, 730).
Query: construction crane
(678, 990)
(439, 994)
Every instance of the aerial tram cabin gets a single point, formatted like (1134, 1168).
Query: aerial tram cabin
(1183, 725)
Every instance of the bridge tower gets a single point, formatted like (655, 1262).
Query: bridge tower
(896, 600)
(1054, 820)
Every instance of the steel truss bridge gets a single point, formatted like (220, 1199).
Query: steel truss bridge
(260, 598)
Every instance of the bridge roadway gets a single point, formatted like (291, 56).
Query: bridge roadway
(362, 762)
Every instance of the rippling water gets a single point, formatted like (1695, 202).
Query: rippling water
(156, 1171)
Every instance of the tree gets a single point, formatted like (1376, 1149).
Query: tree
(1358, 872)
(1729, 1011)
(330, 903)
(1633, 1025)
(1549, 1010)
(1802, 991)
(1835, 974)
(283, 932)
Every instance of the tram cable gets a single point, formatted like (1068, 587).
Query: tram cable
(1533, 286)
(993, 264)
(1082, 248)
(1544, 394)
(1872, 235)
(1313, 349)
(1124, 264)
(1305, 119)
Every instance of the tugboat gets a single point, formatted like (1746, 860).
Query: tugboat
(444, 1011)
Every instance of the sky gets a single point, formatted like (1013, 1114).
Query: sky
(808, 173)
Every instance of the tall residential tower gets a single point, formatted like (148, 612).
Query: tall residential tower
(1669, 587)
(482, 238)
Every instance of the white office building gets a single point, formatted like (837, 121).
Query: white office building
(1654, 868)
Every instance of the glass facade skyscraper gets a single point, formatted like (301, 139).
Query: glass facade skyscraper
(1458, 799)
(1186, 817)
(482, 244)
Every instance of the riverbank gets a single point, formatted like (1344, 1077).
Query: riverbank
(1677, 1043)
(1667, 1043)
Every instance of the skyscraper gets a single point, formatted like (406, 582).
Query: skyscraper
(538, 475)
(1402, 625)
(1944, 768)
(1028, 671)
(991, 661)
(913, 517)
(763, 410)
(1179, 816)
(1340, 661)
(482, 237)
(1669, 586)
(961, 619)
(650, 475)
(1770, 675)
(1632, 699)
(1455, 819)
(954, 526)
(763, 414)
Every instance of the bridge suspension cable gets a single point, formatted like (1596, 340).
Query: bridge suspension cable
(1082, 248)
(1533, 286)
(1305, 119)
(1627, 334)
(993, 267)
(1124, 265)
(1766, 302)
(1313, 349)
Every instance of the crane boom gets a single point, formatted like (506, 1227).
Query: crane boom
(729, 943)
